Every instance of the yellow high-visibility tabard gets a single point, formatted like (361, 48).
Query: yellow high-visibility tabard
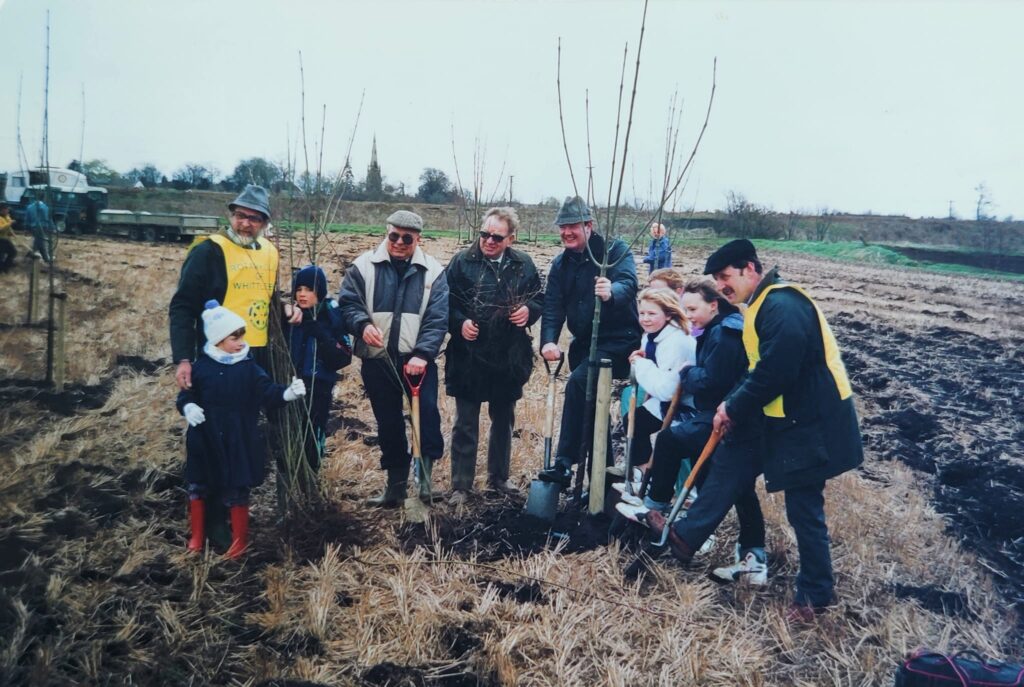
(252, 274)
(833, 361)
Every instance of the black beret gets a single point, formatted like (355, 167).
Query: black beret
(740, 250)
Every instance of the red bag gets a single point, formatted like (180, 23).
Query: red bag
(965, 669)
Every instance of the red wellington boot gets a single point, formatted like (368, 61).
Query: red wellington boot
(197, 514)
(239, 531)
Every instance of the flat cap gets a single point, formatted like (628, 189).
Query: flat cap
(406, 220)
(574, 210)
(740, 250)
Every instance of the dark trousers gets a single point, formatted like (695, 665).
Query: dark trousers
(7, 255)
(644, 425)
(315, 432)
(570, 434)
(731, 474)
(466, 437)
(682, 441)
(386, 393)
(805, 510)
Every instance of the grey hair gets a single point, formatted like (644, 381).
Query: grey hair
(507, 214)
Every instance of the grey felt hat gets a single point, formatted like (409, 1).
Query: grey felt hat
(406, 220)
(253, 197)
(573, 211)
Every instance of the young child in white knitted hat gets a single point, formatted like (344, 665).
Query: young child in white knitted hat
(224, 444)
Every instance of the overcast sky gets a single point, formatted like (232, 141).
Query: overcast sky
(892, 107)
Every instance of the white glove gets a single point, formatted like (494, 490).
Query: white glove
(295, 389)
(194, 414)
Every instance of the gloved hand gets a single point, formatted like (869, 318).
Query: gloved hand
(295, 389)
(194, 414)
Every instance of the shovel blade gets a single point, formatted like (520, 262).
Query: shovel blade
(542, 501)
(415, 510)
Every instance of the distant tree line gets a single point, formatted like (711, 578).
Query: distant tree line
(434, 187)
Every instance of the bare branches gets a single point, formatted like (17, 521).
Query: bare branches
(470, 208)
(561, 120)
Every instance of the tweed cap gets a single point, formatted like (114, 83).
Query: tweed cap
(740, 250)
(253, 197)
(406, 220)
(574, 210)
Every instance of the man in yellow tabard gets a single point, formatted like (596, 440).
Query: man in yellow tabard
(237, 267)
(797, 386)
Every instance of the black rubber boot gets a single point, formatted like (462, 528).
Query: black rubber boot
(559, 473)
(395, 491)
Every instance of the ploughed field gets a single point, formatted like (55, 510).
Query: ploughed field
(96, 588)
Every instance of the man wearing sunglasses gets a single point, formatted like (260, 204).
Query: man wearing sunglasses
(236, 267)
(395, 302)
(495, 295)
(572, 285)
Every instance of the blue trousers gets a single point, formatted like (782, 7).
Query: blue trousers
(730, 477)
(805, 510)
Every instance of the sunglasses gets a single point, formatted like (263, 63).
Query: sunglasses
(395, 237)
(246, 217)
(487, 236)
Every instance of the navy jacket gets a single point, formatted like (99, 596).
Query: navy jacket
(721, 362)
(819, 438)
(318, 345)
(569, 299)
(228, 449)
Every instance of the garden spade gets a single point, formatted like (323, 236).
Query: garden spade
(631, 430)
(542, 501)
(705, 455)
(640, 563)
(416, 508)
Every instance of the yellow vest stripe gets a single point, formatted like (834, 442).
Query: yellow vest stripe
(751, 342)
(252, 275)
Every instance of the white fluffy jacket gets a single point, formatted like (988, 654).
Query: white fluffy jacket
(674, 349)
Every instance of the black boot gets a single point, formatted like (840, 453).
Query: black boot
(395, 491)
(559, 473)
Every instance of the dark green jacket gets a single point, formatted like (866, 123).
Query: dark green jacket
(495, 366)
(819, 438)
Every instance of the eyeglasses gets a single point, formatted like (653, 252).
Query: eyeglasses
(246, 217)
(487, 236)
(395, 237)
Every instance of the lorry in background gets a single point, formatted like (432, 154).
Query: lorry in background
(78, 208)
(74, 204)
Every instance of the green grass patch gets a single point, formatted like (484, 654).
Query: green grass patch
(858, 252)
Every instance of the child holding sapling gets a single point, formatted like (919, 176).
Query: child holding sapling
(319, 348)
(225, 448)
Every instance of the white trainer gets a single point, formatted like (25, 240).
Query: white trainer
(748, 570)
(621, 487)
(707, 546)
(631, 512)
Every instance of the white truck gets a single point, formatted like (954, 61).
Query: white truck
(74, 204)
(78, 208)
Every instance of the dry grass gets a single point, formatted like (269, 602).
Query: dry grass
(97, 589)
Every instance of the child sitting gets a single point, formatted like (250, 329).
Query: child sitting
(319, 348)
(225, 447)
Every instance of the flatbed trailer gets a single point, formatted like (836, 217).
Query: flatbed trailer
(154, 226)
